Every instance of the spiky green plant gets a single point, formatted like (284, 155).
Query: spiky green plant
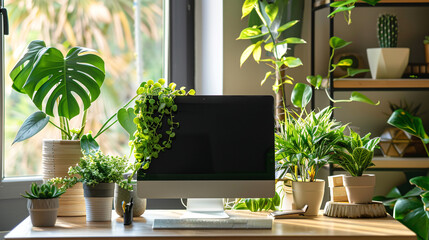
(44, 191)
(387, 31)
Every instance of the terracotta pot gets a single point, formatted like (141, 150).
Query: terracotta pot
(43, 212)
(57, 157)
(139, 206)
(427, 53)
(309, 193)
(360, 189)
(98, 202)
(387, 63)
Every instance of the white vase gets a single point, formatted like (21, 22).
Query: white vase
(43, 212)
(309, 193)
(387, 63)
(57, 157)
(360, 189)
(98, 201)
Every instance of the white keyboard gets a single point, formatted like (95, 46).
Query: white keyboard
(230, 223)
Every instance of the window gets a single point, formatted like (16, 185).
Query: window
(107, 26)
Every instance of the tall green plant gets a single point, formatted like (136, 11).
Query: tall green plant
(55, 83)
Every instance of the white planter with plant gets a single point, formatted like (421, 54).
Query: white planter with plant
(43, 204)
(354, 154)
(303, 146)
(388, 61)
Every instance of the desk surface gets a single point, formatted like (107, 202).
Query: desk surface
(320, 227)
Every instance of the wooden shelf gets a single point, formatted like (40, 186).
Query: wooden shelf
(381, 83)
(400, 163)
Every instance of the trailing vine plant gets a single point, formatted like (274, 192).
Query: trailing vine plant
(154, 109)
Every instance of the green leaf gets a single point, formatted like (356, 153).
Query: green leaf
(247, 8)
(315, 81)
(272, 10)
(344, 62)
(251, 32)
(56, 80)
(340, 9)
(353, 71)
(293, 40)
(371, 2)
(405, 121)
(267, 74)
(410, 212)
(126, 119)
(287, 25)
(341, 3)
(257, 52)
(422, 182)
(88, 144)
(245, 55)
(394, 193)
(31, 126)
(292, 62)
(359, 97)
(405, 205)
(269, 46)
(337, 43)
(301, 95)
(251, 204)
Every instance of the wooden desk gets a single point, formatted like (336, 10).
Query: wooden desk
(304, 228)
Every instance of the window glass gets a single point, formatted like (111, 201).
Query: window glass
(105, 25)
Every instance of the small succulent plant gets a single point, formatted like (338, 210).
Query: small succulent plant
(44, 191)
(387, 31)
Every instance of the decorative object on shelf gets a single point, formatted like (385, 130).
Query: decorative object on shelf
(395, 142)
(337, 190)
(357, 63)
(417, 70)
(43, 204)
(354, 154)
(348, 210)
(426, 43)
(121, 195)
(410, 124)
(388, 61)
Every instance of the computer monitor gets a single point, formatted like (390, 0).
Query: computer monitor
(223, 148)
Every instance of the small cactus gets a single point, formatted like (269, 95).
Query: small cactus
(387, 31)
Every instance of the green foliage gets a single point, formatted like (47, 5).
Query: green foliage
(407, 107)
(258, 204)
(426, 40)
(346, 6)
(354, 154)
(52, 80)
(32, 125)
(305, 144)
(387, 31)
(44, 191)
(411, 209)
(410, 124)
(95, 167)
(88, 144)
(155, 108)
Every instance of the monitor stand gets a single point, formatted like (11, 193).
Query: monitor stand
(205, 208)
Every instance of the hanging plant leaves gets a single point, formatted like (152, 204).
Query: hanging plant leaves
(301, 95)
(88, 144)
(31, 126)
(54, 77)
(126, 119)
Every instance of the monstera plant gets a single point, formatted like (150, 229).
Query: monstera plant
(56, 84)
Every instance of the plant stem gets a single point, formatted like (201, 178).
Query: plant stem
(424, 145)
(63, 132)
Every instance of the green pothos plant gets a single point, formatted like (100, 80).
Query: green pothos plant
(154, 119)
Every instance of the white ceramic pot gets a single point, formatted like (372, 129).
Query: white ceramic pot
(43, 212)
(139, 206)
(57, 157)
(387, 63)
(98, 201)
(360, 189)
(309, 193)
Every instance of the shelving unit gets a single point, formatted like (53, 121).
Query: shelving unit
(366, 84)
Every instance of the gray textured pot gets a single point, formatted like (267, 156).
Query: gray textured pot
(124, 195)
(98, 202)
(43, 212)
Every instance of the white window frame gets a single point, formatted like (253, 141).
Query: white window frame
(11, 188)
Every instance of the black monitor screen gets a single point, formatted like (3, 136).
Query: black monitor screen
(219, 138)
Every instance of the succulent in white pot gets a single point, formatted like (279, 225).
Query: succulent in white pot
(43, 204)
(388, 61)
(354, 154)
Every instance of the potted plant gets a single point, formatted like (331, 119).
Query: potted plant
(354, 154)
(426, 43)
(98, 173)
(388, 61)
(43, 204)
(304, 144)
(55, 83)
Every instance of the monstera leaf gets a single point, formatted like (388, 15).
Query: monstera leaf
(49, 78)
